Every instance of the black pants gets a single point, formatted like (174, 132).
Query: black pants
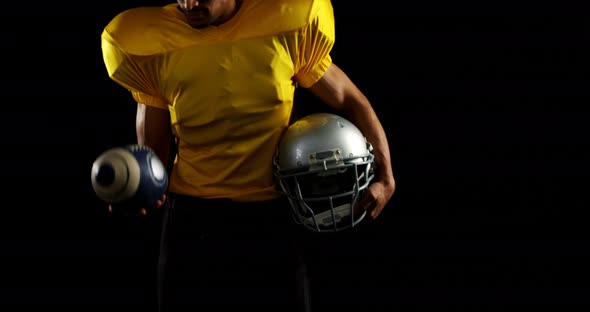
(219, 255)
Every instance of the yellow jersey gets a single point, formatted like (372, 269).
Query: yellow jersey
(229, 88)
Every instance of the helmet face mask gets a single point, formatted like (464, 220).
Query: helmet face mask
(323, 165)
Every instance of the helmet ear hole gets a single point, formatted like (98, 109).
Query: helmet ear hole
(323, 164)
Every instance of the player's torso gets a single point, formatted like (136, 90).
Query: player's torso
(242, 82)
(234, 76)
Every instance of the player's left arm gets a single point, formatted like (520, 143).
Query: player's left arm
(338, 91)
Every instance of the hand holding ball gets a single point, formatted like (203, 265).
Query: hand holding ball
(131, 176)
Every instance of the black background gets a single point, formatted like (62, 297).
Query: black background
(484, 108)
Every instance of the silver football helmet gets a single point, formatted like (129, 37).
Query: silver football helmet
(323, 165)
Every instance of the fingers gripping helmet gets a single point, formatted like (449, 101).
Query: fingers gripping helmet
(323, 165)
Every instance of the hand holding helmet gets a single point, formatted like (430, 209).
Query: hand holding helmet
(323, 165)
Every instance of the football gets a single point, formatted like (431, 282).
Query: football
(130, 175)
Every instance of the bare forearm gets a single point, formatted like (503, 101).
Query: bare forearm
(365, 118)
(152, 127)
(339, 92)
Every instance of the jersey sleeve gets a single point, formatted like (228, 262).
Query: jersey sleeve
(130, 71)
(318, 37)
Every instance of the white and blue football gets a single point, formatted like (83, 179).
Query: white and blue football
(131, 174)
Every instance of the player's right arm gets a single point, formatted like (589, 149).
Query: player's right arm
(152, 127)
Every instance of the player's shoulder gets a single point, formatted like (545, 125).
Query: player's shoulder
(286, 15)
(134, 17)
(145, 30)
